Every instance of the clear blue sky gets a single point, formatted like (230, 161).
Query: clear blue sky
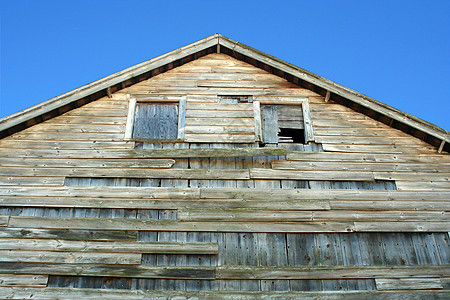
(397, 52)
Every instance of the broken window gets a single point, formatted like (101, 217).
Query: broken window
(281, 123)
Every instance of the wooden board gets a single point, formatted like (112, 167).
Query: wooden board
(23, 280)
(68, 234)
(4, 219)
(311, 175)
(109, 270)
(172, 225)
(408, 283)
(129, 173)
(330, 272)
(90, 293)
(108, 247)
(179, 204)
(40, 256)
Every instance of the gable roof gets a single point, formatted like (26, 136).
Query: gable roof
(218, 43)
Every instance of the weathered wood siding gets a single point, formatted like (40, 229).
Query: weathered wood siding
(364, 207)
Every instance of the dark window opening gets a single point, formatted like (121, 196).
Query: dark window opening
(291, 135)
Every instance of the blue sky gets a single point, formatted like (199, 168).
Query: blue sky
(397, 52)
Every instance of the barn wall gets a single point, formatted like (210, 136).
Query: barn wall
(364, 200)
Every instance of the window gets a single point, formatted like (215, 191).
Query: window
(151, 120)
(284, 120)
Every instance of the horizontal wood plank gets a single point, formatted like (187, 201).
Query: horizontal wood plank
(408, 283)
(4, 219)
(146, 153)
(131, 203)
(240, 215)
(87, 163)
(109, 247)
(118, 294)
(365, 157)
(129, 173)
(331, 272)
(402, 226)
(23, 280)
(68, 234)
(358, 166)
(172, 225)
(39, 256)
(311, 175)
(110, 270)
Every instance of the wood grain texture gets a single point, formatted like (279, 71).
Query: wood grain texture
(408, 283)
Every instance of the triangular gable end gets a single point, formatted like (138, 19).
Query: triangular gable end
(217, 43)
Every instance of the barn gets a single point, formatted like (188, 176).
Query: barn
(217, 171)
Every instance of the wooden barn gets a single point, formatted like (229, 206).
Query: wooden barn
(217, 171)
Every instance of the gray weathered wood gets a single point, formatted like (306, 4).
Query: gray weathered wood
(172, 225)
(113, 294)
(269, 121)
(37, 256)
(309, 133)
(130, 119)
(68, 234)
(4, 219)
(258, 122)
(110, 270)
(23, 280)
(330, 272)
(181, 118)
(156, 121)
(408, 283)
(111, 247)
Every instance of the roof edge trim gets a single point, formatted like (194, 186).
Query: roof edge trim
(338, 89)
(98, 85)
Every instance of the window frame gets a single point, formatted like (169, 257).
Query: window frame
(131, 117)
(282, 100)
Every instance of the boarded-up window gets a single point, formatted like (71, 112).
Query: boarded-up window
(156, 121)
(282, 124)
